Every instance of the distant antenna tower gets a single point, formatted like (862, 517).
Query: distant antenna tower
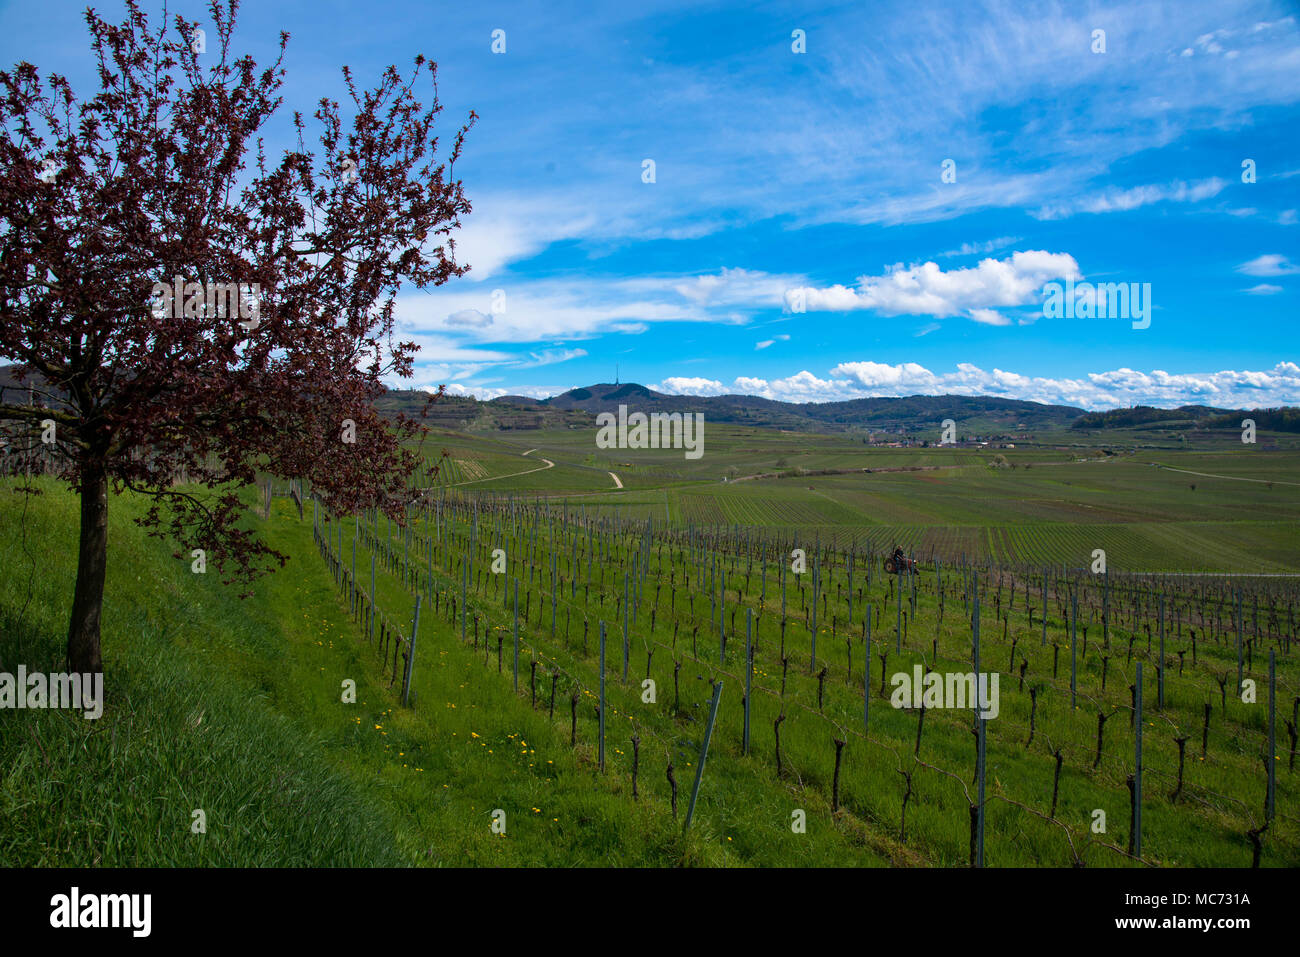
(615, 373)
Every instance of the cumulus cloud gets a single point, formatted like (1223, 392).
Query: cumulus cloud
(1116, 388)
(686, 385)
(1269, 264)
(1099, 390)
(989, 317)
(928, 290)
(906, 377)
(485, 393)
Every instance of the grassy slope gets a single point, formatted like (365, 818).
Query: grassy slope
(235, 707)
(200, 716)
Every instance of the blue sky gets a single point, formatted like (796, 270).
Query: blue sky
(816, 177)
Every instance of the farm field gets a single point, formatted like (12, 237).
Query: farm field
(1149, 513)
(683, 571)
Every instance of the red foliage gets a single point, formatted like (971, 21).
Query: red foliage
(164, 173)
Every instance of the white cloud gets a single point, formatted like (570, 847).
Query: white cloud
(505, 228)
(928, 290)
(1263, 289)
(551, 356)
(469, 317)
(906, 377)
(486, 393)
(1122, 200)
(981, 249)
(732, 287)
(1101, 390)
(440, 348)
(551, 310)
(685, 385)
(989, 317)
(1269, 264)
(1098, 390)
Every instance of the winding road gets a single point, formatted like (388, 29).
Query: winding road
(541, 468)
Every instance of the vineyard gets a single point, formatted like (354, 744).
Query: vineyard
(1142, 719)
(603, 665)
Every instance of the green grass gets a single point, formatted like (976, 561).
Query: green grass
(234, 705)
(191, 673)
(1206, 826)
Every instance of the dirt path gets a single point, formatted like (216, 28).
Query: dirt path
(1232, 478)
(541, 468)
(617, 481)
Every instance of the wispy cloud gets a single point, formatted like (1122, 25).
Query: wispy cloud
(1269, 264)
(551, 356)
(1117, 199)
(980, 249)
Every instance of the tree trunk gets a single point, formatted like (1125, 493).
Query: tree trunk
(92, 563)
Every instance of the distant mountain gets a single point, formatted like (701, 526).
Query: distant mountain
(1284, 419)
(1140, 415)
(911, 413)
(975, 414)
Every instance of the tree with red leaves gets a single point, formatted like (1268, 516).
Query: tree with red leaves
(187, 311)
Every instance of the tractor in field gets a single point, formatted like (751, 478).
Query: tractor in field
(900, 564)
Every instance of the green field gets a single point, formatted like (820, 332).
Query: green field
(234, 707)
(1055, 506)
